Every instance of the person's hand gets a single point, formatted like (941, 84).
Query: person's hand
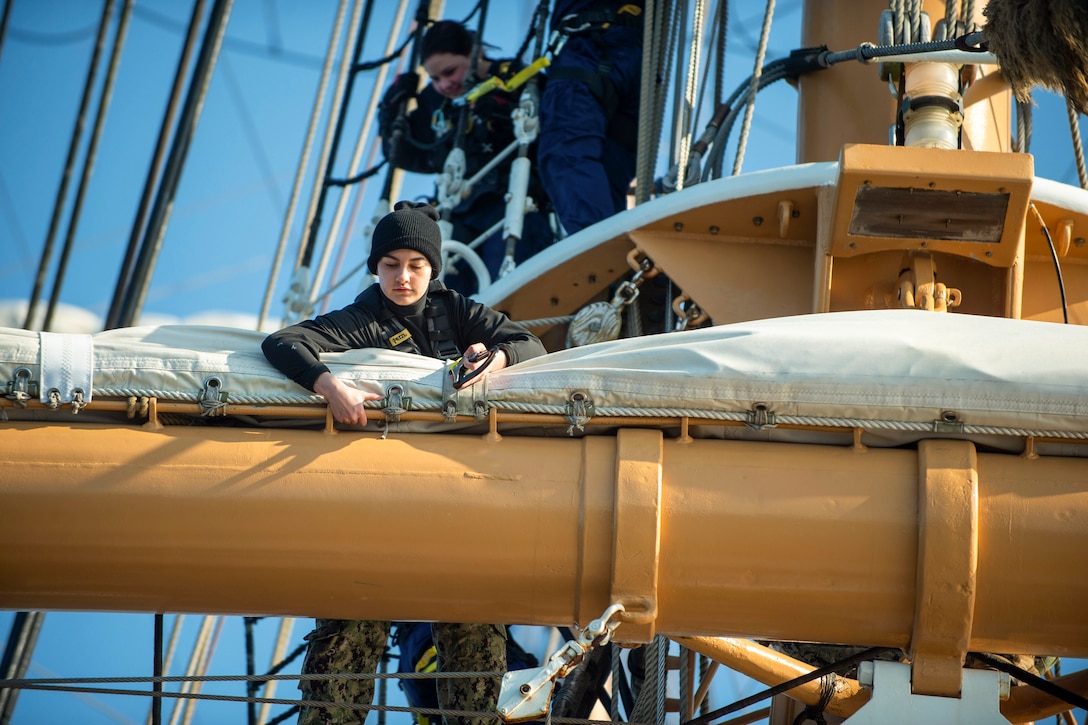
(403, 88)
(476, 356)
(345, 402)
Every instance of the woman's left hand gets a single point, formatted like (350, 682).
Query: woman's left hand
(477, 355)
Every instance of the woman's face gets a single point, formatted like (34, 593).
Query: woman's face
(404, 275)
(447, 73)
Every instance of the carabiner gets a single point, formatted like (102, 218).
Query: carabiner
(461, 376)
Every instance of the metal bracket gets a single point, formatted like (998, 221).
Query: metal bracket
(580, 409)
(526, 694)
(21, 388)
(948, 526)
(212, 399)
(760, 417)
(396, 403)
(949, 422)
(892, 700)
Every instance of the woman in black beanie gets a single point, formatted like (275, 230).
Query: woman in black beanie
(406, 255)
(408, 309)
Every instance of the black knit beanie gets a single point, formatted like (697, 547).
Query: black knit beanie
(409, 226)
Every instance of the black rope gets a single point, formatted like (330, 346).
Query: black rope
(1057, 264)
(1050, 688)
(358, 177)
(815, 713)
(833, 668)
(372, 64)
(288, 659)
(540, 16)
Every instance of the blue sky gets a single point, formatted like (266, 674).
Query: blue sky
(230, 209)
(218, 252)
(217, 255)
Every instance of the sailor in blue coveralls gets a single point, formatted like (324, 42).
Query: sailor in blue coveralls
(589, 110)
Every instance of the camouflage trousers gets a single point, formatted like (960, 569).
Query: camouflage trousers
(352, 646)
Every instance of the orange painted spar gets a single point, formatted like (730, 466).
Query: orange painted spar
(783, 541)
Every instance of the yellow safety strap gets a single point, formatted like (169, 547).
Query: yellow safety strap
(496, 83)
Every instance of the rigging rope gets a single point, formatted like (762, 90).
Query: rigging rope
(66, 176)
(646, 139)
(1022, 142)
(649, 707)
(304, 160)
(363, 141)
(1078, 150)
(761, 52)
(88, 161)
(328, 148)
(74, 685)
(689, 110)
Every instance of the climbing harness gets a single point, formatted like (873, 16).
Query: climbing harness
(495, 83)
(597, 19)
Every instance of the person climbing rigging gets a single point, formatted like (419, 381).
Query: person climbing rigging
(428, 134)
(410, 310)
(589, 109)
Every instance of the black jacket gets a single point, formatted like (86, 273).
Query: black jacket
(488, 130)
(295, 350)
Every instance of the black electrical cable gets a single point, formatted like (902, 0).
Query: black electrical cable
(310, 243)
(358, 177)
(113, 317)
(816, 674)
(1054, 256)
(1050, 688)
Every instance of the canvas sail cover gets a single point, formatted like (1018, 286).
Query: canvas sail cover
(897, 374)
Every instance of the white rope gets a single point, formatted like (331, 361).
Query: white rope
(631, 412)
(362, 142)
(323, 161)
(689, 112)
(749, 110)
(303, 162)
(283, 637)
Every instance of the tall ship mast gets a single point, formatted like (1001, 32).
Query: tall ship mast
(822, 425)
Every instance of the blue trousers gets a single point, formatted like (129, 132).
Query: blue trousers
(587, 172)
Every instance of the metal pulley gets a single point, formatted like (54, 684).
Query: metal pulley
(601, 321)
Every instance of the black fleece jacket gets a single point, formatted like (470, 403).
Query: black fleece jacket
(295, 350)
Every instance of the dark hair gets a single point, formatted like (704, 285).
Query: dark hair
(447, 36)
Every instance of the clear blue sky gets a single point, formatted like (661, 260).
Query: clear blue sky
(229, 212)
(230, 208)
